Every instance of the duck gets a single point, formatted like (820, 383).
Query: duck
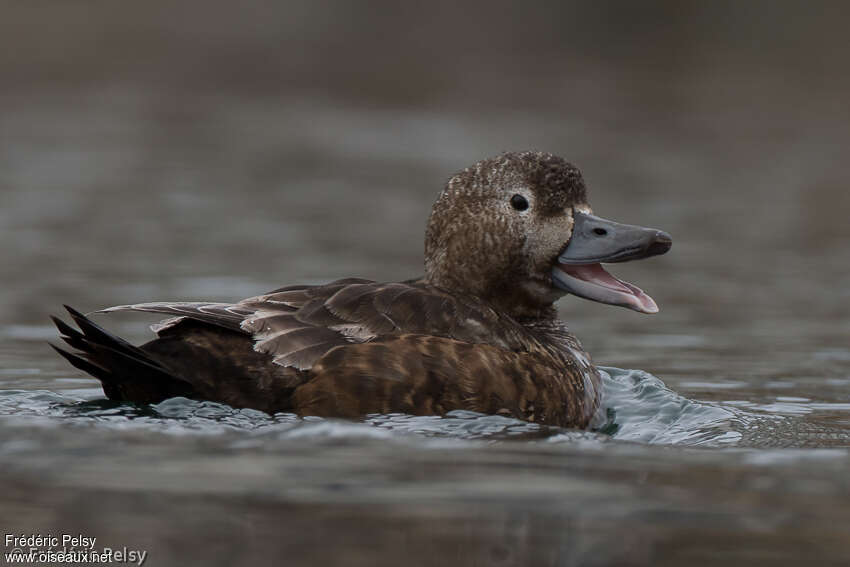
(506, 239)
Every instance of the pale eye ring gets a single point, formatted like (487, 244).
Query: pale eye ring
(519, 202)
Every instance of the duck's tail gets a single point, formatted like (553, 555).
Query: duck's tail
(126, 372)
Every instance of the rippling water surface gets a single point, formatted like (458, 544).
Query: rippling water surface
(166, 156)
(638, 407)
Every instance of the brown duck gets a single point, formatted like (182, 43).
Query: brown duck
(506, 238)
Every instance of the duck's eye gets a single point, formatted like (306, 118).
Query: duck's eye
(519, 202)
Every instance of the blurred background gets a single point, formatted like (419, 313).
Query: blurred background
(209, 150)
(216, 150)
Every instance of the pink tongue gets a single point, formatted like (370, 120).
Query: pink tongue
(595, 274)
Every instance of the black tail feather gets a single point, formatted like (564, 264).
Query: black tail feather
(98, 340)
(73, 337)
(79, 362)
(126, 372)
(101, 374)
(96, 333)
(65, 328)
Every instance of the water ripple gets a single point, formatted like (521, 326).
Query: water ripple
(640, 407)
(637, 407)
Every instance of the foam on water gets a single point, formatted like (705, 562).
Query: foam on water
(640, 407)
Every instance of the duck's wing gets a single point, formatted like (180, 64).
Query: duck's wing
(361, 311)
(226, 315)
(272, 325)
(297, 325)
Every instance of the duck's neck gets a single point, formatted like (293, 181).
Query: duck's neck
(538, 317)
(524, 305)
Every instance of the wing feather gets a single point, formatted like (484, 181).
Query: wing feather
(297, 325)
(227, 315)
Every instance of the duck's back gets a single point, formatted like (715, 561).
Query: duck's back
(344, 349)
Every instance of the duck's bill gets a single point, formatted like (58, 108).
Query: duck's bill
(596, 240)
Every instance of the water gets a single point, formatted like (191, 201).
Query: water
(148, 156)
(466, 487)
(638, 407)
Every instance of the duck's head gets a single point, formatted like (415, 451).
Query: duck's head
(517, 231)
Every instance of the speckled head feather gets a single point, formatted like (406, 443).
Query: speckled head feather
(478, 243)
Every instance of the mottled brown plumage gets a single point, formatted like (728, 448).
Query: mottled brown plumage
(477, 332)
